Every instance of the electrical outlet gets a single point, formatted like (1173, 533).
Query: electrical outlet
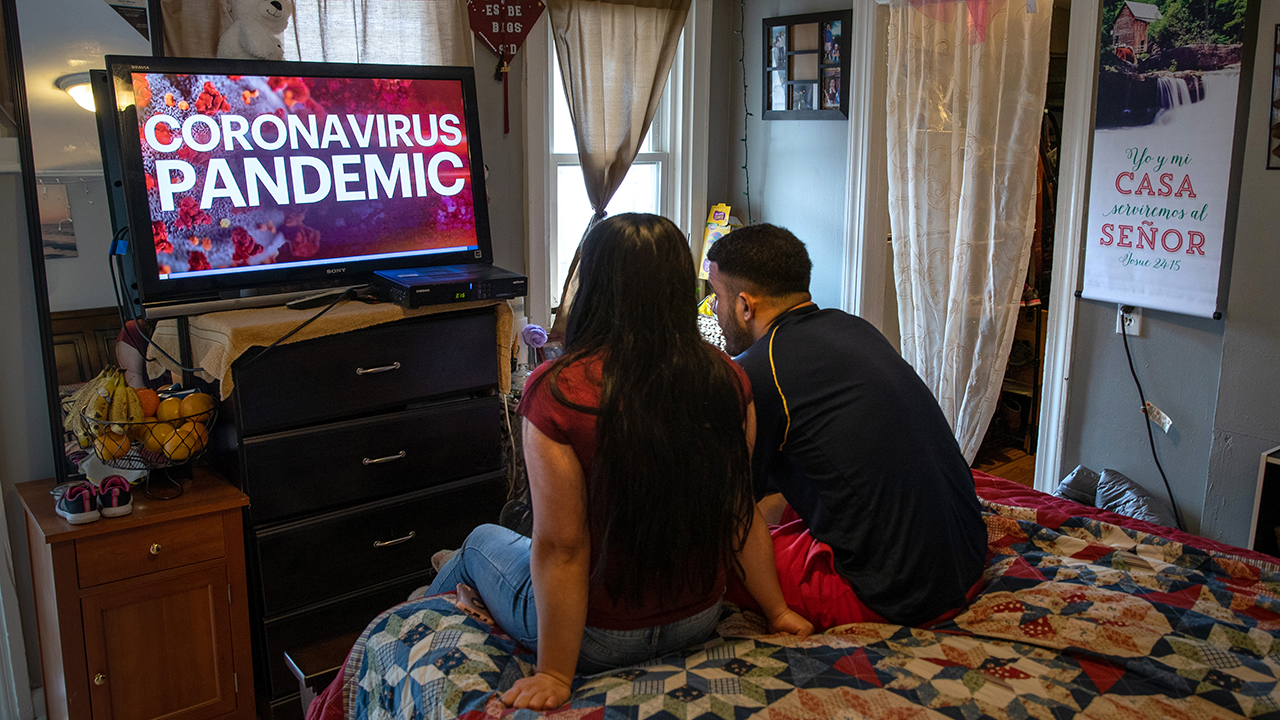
(1132, 320)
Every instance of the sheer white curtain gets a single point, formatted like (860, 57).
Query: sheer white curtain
(402, 32)
(966, 97)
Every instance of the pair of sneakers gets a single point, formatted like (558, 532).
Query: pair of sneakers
(83, 502)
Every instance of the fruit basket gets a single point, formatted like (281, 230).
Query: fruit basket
(140, 430)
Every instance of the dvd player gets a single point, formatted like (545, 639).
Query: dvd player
(418, 287)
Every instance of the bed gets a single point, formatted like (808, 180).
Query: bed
(1084, 614)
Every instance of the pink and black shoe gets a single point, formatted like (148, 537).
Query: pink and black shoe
(78, 503)
(114, 497)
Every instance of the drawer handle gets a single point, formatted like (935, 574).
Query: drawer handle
(384, 368)
(388, 543)
(387, 459)
(99, 679)
(155, 548)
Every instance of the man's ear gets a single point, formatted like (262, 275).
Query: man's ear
(744, 306)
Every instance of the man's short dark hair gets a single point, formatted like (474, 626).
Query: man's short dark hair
(767, 256)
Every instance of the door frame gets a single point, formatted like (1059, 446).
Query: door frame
(866, 226)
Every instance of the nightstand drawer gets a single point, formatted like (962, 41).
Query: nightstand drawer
(152, 548)
(309, 562)
(373, 369)
(344, 464)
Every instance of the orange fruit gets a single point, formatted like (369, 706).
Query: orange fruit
(198, 407)
(150, 401)
(111, 446)
(169, 409)
(140, 430)
(186, 441)
(155, 440)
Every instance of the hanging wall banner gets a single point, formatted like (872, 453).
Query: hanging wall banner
(1168, 83)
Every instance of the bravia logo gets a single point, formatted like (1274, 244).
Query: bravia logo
(334, 271)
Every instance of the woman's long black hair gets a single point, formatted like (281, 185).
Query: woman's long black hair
(669, 498)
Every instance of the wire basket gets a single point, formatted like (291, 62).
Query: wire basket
(151, 444)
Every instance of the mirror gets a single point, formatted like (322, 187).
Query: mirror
(61, 41)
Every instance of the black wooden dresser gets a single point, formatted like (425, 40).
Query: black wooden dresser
(362, 454)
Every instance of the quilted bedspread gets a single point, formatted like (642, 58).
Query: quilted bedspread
(1080, 617)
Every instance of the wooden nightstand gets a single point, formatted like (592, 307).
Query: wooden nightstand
(146, 615)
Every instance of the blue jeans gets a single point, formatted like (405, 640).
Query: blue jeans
(495, 561)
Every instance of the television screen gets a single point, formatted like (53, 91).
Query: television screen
(245, 175)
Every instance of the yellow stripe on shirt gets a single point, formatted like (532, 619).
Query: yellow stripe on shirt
(785, 409)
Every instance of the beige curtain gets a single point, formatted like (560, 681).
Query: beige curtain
(403, 32)
(400, 32)
(192, 28)
(615, 58)
(966, 97)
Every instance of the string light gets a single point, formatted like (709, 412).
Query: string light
(742, 63)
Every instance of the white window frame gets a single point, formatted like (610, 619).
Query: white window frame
(684, 160)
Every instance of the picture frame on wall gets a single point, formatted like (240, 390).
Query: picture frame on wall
(1273, 137)
(806, 70)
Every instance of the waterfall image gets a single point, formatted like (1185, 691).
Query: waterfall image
(1156, 58)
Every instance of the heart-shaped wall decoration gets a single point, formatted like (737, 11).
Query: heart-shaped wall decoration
(503, 25)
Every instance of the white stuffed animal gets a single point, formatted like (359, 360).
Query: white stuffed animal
(254, 33)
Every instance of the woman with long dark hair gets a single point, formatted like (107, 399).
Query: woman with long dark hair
(637, 442)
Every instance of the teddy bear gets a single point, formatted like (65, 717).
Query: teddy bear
(255, 30)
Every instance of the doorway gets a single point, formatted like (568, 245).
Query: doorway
(1009, 447)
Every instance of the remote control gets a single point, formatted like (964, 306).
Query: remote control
(315, 301)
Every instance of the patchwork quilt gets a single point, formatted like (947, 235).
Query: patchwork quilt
(1080, 617)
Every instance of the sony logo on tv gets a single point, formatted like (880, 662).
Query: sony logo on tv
(335, 271)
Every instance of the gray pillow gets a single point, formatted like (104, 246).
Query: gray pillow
(1119, 494)
(1081, 485)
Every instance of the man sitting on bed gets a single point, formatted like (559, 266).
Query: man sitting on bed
(855, 443)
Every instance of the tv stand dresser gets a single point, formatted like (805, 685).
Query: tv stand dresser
(362, 453)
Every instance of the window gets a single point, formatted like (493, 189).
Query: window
(668, 177)
(645, 189)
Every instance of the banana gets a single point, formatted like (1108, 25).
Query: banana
(135, 404)
(119, 406)
(100, 411)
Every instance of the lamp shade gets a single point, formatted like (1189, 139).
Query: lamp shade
(78, 87)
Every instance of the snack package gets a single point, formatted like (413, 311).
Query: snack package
(719, 224)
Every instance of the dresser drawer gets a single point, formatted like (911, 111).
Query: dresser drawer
(318, 559)
(152, 548)
(343, 616)
(372, 369)
(343, 464)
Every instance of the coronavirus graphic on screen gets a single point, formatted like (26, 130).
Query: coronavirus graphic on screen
(246, 172)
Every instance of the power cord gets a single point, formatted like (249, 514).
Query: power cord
(1124, 336)
(122, 301)
(344, 295)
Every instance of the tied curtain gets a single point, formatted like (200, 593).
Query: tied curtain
(401, 32)
(966, 97)
(614, 58)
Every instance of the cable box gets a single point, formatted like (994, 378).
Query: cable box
(418, 287)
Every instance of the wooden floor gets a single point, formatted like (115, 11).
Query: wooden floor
(1007, 462)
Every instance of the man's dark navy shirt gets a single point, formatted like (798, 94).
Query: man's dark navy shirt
(856, 443)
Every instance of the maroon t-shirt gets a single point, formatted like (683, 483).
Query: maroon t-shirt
(579, 382)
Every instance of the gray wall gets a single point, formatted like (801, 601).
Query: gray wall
(1248, 404)
(1215, 378)
(1177, 359)
(25, 445)
(797, 167)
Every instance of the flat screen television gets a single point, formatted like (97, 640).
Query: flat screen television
(246, 179)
